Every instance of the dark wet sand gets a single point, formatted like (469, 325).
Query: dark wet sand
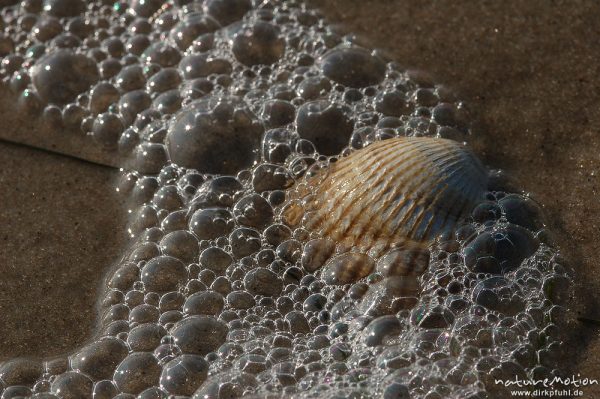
(528, 70)
(61, 228)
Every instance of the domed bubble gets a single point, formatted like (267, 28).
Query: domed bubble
(327, 125)
(64, 8)
(353, 67)
(201, 65)
(276, 113)
(275, 234)
(168, 102)
(297, 322)
(150, 158)
(252, 363)
(211, 223)
(429, 315)
(314, 303)
(145, 337)
(143, 219)
(100, 358)
(498, 293)
(131, 78)
(104, 389)
(171, 301)
(262, 281)
(190, 27)
(145, 8)
(486, 211)
(165, 79)
(215, 259)
(403, 262)
(347, 268)
(46, 28)
(138, 371)
(180, 244)
(390, 295)
(61, 75)
(134, 298)
(316, 252)
(290, 251)
(500, 250)
(114, 47)
(152, 393)
(199, 335)
(267, 177)
(314, 87)
(107, 129)
(149, 238)
(521, 211)
(124, 277)
(132, 103)
(240, 300)
(137, 44)
(244, 242)
(253, 211)
(184, 374)
(230, 384)
(215, 135)
(204, 303)
(259, 43)
(6, 47)
(143, 313)
(168, 198)
(72, 385)
(163, 54)
(163, 273)
(20, 371)
(228, 11)
(196, 88)
(392, 103)
(276, 145)
(382, 328)
(102, 96)
(115, 313)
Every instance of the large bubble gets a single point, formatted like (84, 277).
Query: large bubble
(216, 135)
(60, 76)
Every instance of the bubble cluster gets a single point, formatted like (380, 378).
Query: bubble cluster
(226, 108)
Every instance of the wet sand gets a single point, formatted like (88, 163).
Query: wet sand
(62, 228)
(530, 75)
(528, 71)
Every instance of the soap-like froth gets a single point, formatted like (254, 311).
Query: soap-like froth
(228, 109)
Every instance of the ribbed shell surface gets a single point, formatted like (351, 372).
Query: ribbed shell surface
(398, 191)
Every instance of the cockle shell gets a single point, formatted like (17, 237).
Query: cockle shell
(398, 192)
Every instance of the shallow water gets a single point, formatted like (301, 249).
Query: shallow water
(418, 340)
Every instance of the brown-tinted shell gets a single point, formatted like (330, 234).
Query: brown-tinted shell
(401, 192)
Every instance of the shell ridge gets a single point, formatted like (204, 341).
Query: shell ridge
(348, 200)
(407, 209)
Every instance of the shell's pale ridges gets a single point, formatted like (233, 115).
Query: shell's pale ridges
(397, 190)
